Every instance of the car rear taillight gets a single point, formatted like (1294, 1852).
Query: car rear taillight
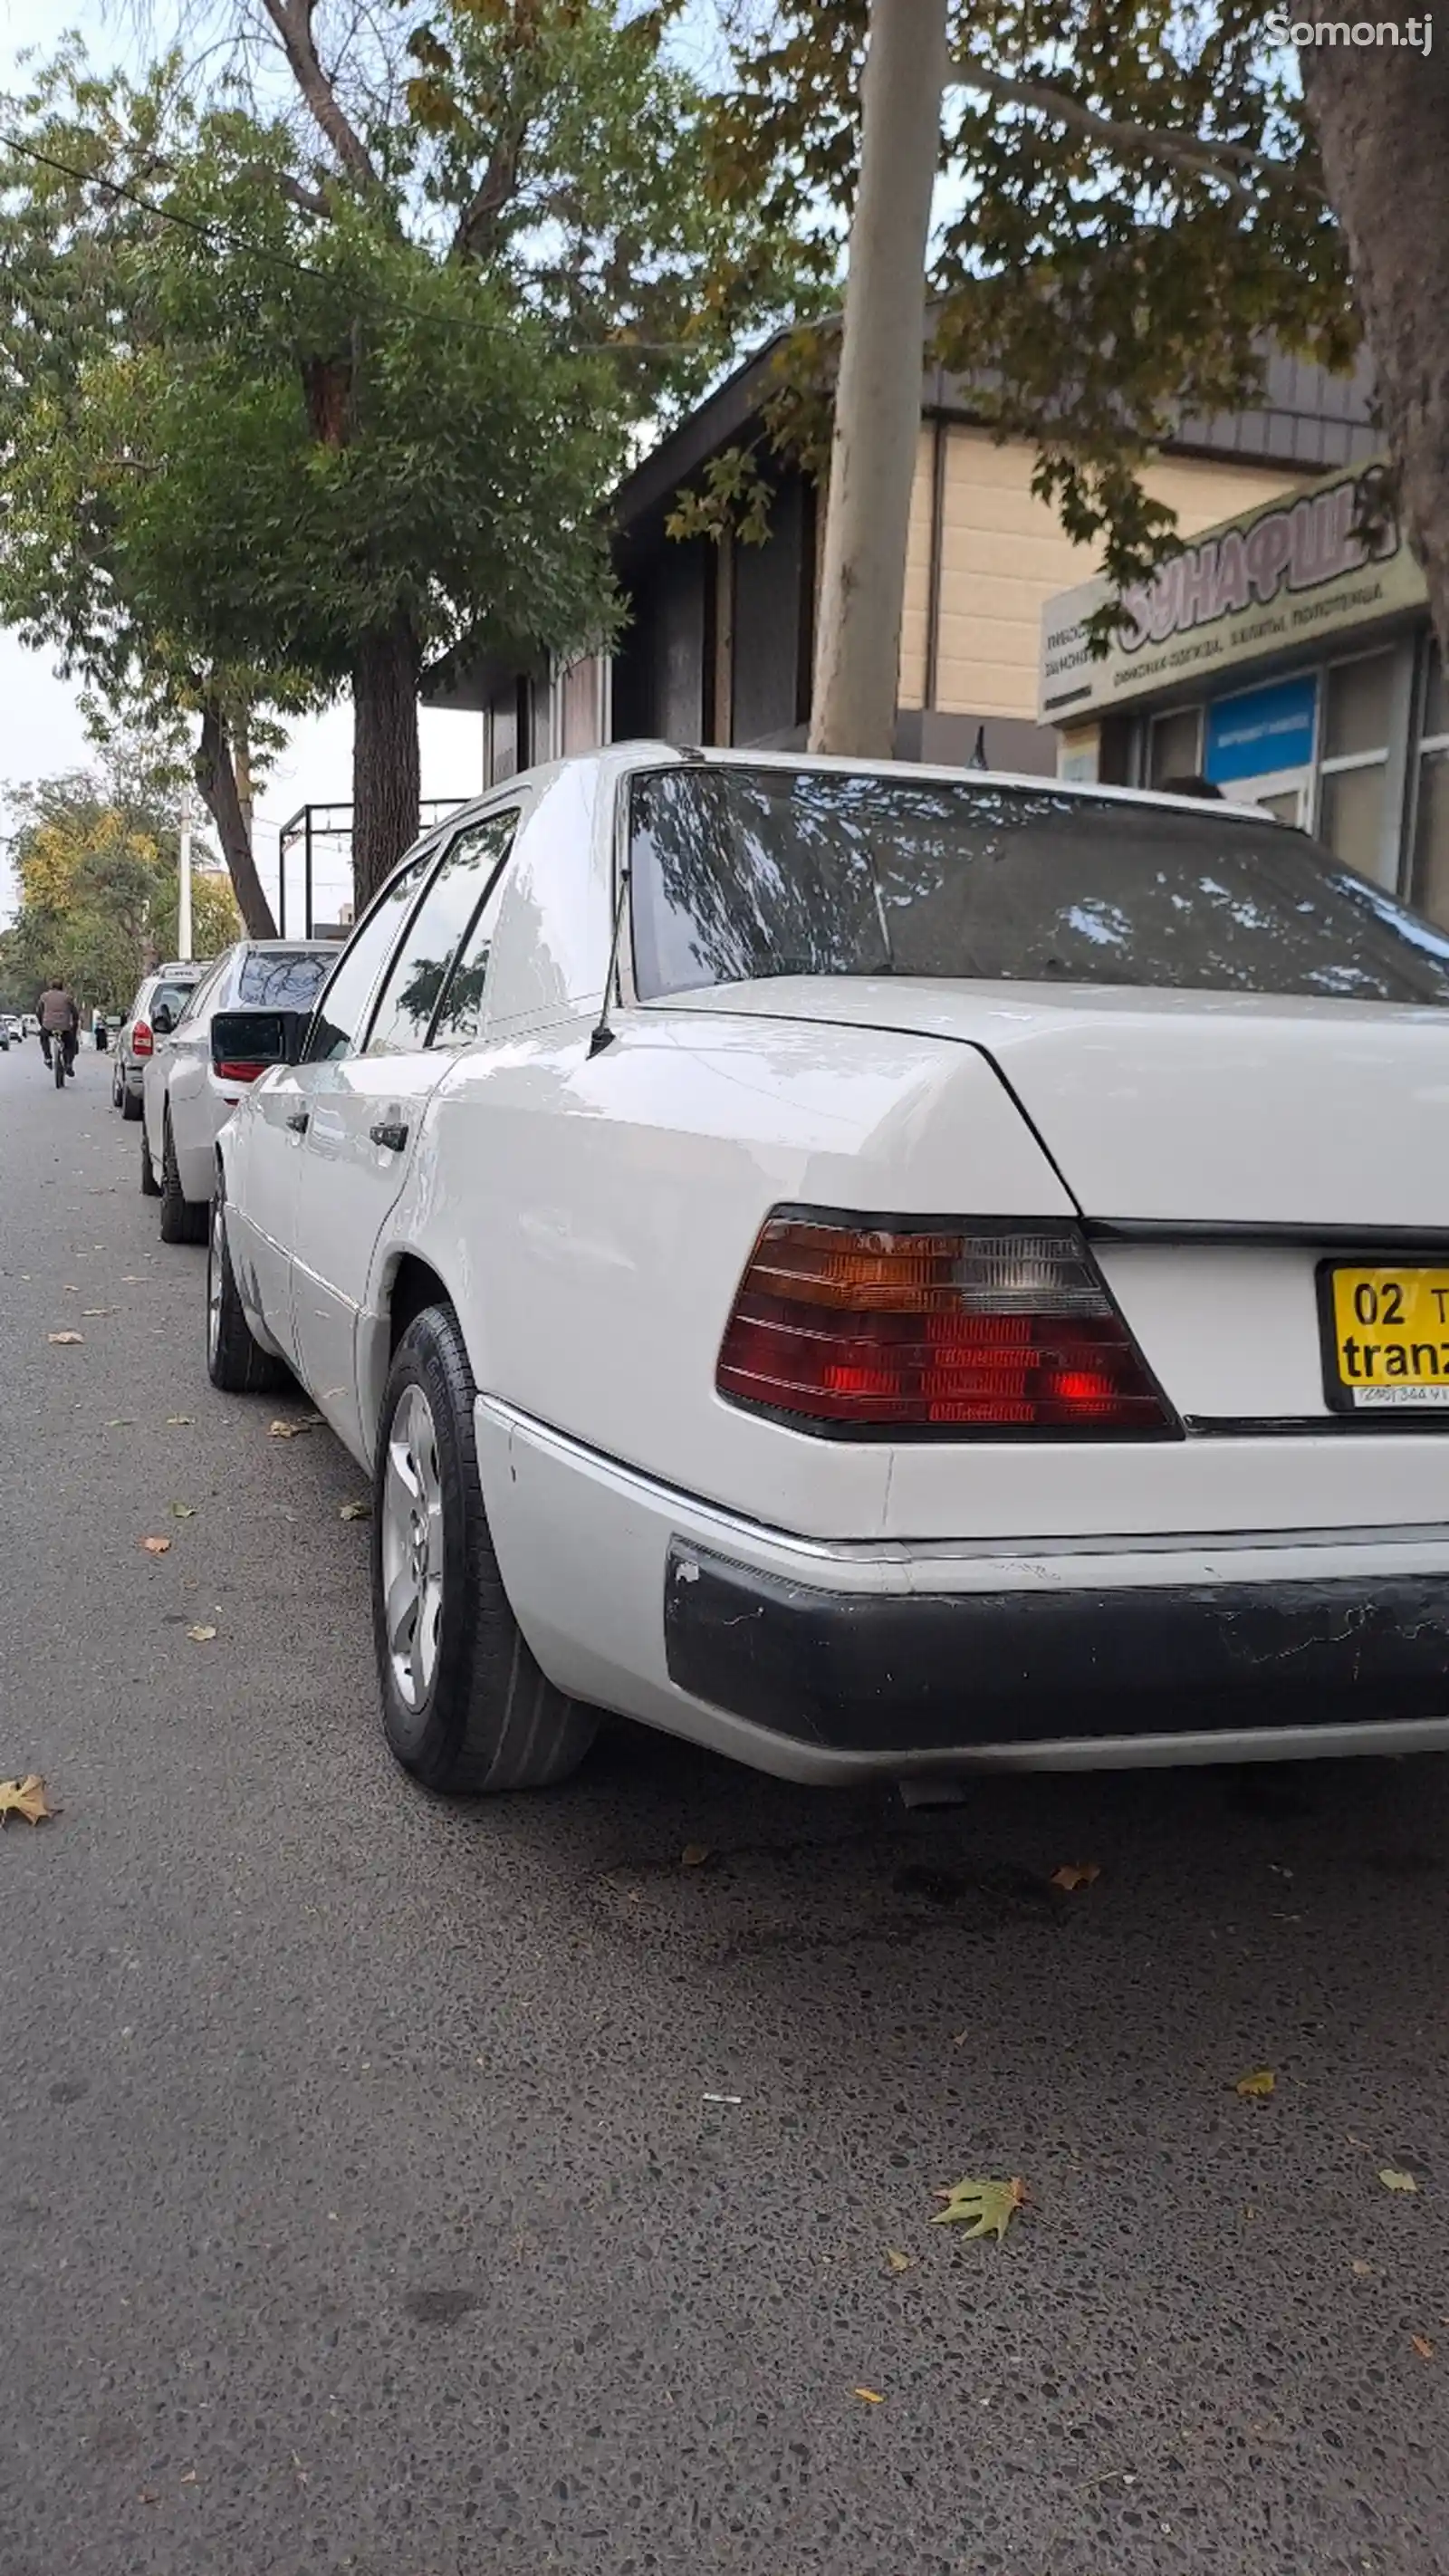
(142, 1042)
(238, 1069)
(998, 1328)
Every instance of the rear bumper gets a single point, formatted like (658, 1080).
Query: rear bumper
(831, 1661)
(856, 1672)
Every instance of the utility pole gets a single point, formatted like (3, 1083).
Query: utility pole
(183, 912)
(878, 397)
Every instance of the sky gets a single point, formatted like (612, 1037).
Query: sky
(41, 732)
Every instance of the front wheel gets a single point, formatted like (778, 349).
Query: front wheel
(465, 1707)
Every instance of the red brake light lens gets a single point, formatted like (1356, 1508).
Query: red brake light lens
(238, 1069)
(1003, 1328)
(142, 1042)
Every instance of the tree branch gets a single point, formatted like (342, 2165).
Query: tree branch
(293, 22)
(1200, 154)
(492, 194)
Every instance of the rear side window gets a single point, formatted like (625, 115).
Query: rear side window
(170, 997)
(744, 873)
(282, 979)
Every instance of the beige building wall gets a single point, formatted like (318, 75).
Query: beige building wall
(1004, 553)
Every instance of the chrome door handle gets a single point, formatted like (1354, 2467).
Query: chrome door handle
(390, 1136)
(297, 1121)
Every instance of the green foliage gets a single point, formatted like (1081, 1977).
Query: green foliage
(1131, 205)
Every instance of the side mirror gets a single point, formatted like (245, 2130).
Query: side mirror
(162, 1022)
(245, 1044)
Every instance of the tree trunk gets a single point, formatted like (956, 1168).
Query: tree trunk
(385, 772)
(215, 772)
(1381, 114)
(878, 398)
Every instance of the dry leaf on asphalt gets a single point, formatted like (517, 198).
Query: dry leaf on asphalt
(1422, 2347)
(122, 1422)
(694, 1856)
(899, 2262)
(1075, 1874)
(183, 1511)
(173, 1419)
(983, 2208)
(872, 2396)
(157, 1546)
(24, 1798)
(200, 1635)
(355, 1512)
(1362, 2269)
(1392, 2180)
(1255, 2087)
(65, 1337)
(280, 1430)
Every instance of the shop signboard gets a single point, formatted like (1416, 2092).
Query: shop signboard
(1276, 580)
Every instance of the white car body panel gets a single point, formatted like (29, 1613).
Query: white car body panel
(590, 1213)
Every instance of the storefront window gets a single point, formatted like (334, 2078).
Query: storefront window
(1359, 710)
(1351, 815)
(1174, 748)
(1431, 838)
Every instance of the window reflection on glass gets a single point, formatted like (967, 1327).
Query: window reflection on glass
(339, 1014)
(1359, 706)
(415, 981)
(1351, 814)
(740, 873)
(461, 1015)
(282, 979)
(1431, 839)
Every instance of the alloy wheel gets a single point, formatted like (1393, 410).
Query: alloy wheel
(412, 1546)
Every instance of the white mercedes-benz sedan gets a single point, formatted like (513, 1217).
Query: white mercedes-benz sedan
(874, 1270)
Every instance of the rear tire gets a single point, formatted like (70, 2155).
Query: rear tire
(150, 1186)
(465, 1707)
(235, 1359)
(57, 1064)
(183, 1220)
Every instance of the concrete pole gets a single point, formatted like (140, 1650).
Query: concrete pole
(183, 916)
(878, 398)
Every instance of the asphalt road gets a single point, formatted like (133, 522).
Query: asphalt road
(361, 2200)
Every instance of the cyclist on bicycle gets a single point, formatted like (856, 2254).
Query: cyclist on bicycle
(59, 1019)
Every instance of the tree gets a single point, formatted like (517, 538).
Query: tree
(359, 381)
(1133, 204)
(878, 403)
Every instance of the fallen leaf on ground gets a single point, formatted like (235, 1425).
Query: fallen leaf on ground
(131, 1279)
(355, 1512)
(90, 1312)
(65, 1337)
(1364, 2270)
(280, 1430)
(122, 1422)
(1395, 2181)
(899, 2262)
(173, 1419)
(201, 1635)
(1074, 1874)
(156, 1546)
(694, 1856)
(71, 1290)
(1257, 2086)
(989, 2207)
(183, 1511)
(1422, 2347)
(24, 1798)
(872, 2396)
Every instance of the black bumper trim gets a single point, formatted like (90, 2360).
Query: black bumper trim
(926, 1672)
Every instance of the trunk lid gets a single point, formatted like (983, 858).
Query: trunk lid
(1187, 1108)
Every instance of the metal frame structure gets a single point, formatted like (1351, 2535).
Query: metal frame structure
(313, 823)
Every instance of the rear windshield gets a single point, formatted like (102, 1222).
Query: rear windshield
(282, 979)
(744, 873)
(172, 998)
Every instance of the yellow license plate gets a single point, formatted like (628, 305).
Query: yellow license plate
(1388, 1332)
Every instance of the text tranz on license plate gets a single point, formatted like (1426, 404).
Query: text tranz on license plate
(1388, 1339)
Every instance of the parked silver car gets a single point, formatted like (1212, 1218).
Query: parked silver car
(187, 1098)
(167, 992)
